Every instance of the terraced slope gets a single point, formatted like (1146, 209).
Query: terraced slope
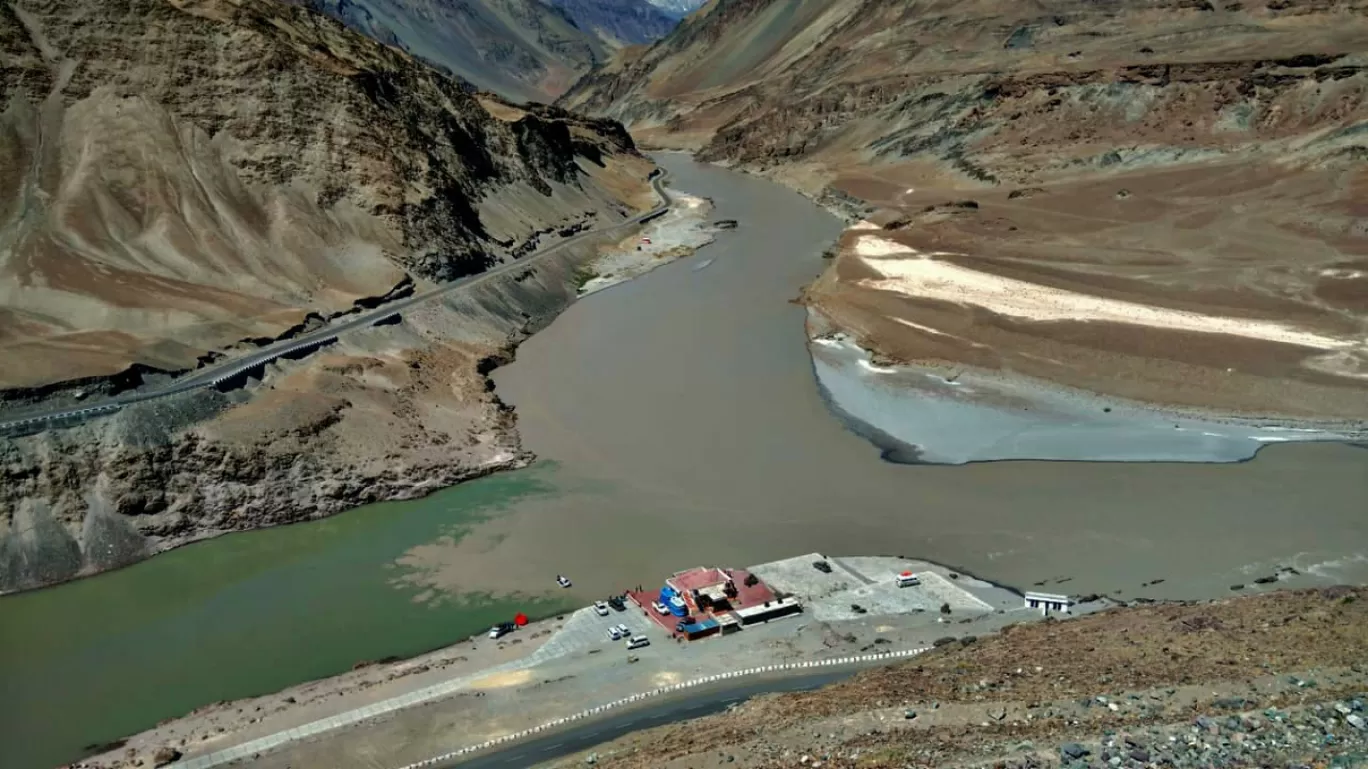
(1171, 157)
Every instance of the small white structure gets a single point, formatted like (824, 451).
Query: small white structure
(1048, 602)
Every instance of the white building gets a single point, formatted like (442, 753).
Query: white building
(1048, 602)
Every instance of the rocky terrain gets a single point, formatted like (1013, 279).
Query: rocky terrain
(1273, 680)
(1155, 199)
(187, 178)
(619, 22)
(678, 8)
(527, 50)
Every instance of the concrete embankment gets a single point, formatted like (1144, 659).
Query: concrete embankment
(563, 667)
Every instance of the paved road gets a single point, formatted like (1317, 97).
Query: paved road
(697, 703)
(220, 372)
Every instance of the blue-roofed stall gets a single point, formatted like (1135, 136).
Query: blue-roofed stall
(703, 627)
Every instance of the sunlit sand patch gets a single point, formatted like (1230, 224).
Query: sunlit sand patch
(1346, 363)
(869, 366)
(502, 680)
(929, 330)
(918, 275)
(865, 224)
(665, 678)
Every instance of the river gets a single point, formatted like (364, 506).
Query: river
(680, 425)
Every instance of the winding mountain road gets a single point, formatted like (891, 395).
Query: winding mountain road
(214, 374)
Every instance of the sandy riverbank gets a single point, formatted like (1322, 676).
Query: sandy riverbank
(677, 234)
(955, 415)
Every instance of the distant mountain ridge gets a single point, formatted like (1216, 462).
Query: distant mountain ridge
(619, 22)
(526, 50)
(678, 8)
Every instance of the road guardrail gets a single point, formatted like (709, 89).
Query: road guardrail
(632, 699)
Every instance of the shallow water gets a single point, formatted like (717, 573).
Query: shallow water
(918, 415)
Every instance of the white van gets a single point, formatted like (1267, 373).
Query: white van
(638, 641)
(907, 579)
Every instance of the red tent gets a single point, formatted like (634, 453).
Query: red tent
(520, 620)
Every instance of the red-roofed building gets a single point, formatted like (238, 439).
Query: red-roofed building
(730, 597)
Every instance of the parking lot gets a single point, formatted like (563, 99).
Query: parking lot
(870, 583)
(585, 630)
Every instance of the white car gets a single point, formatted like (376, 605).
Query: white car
(601, 608)
(660, 608)
(622, 630)
(636, 642)
(614, 634)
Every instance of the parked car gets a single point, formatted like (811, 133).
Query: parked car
(660, 608)
(638, 641)
(502, 629)
(613, 634)
(822, 566)
(622, 630)
(617, 603)
(601, 608)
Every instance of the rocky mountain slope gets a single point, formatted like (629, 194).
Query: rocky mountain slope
(1274, 680)
(1171, 189)
(619, 22)
(678, 8)
(526, 50)
(185, 177)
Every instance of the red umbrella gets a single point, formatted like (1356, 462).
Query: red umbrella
(520, 620)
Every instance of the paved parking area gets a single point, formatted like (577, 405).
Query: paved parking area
(585, 630)
(870, 582)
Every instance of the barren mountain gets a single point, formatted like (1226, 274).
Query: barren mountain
(526, 50)
(182, 178)
(1155, 199)
(619, 22)
(678, 9)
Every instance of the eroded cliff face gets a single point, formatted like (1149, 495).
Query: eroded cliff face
(1167, 155)
(184, 179)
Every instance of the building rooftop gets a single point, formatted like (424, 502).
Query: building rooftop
(697, 579)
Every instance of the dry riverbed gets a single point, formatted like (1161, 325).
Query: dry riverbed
(678, 233)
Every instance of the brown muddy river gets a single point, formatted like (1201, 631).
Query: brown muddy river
(679, 423)
(684, 427)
